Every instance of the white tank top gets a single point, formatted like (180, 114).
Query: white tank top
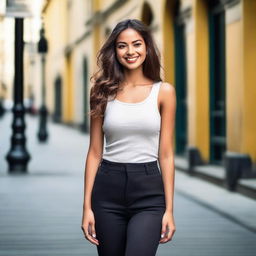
(131, 130)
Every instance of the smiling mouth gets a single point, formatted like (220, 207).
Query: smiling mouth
(131, 60)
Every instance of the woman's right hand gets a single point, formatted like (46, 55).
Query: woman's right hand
(88, 226)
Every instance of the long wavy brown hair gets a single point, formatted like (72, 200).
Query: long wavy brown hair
(110, 75)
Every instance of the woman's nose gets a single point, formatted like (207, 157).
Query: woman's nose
(130, 50)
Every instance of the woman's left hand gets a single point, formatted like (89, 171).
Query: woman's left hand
(168, 227)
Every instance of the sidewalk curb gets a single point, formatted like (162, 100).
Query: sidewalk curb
(225, 203)
(211, 207)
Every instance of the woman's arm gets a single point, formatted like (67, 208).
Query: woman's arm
(167, 98)
(166, 151)
(93, 158)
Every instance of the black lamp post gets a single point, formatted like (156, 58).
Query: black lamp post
(42, 49)
(18, 156)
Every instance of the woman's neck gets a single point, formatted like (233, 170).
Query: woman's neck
(134, 77)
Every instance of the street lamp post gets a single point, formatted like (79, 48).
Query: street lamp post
(18, 156)
(42, 49)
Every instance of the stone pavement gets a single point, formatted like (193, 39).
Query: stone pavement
(41, 211)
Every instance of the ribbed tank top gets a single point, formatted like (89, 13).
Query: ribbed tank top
(131, 130)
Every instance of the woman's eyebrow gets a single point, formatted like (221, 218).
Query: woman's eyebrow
(132, 41)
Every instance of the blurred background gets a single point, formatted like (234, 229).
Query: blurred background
(48, 52)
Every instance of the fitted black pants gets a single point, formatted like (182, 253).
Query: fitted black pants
(128, 203)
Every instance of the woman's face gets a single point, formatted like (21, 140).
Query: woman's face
(130, 49)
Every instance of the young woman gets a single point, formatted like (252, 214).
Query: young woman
(128, 202)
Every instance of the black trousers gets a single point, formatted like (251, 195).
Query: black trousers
(128, 202)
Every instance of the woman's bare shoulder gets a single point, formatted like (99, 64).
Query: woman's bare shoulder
(167, 90)
(167, 87)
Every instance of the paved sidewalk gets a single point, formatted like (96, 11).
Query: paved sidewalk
(234, 206)
(40, 213)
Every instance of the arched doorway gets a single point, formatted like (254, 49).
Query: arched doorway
(85, 123)
(217, 81)
(175, 68)
(57, 116)
(180, 80)
(147, 14)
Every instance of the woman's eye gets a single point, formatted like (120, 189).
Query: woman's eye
(122, 46)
